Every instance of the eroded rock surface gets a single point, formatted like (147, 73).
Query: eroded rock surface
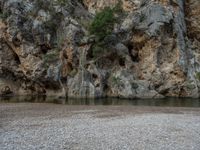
(153, 52)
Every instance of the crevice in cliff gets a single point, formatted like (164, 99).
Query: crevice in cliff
(133, 53)
(122, 62)
(192, 13)
(45, 48)
(13, 48)
(17, 60)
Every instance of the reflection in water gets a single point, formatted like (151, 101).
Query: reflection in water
(168, 102)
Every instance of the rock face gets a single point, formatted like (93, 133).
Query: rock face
(153, 52)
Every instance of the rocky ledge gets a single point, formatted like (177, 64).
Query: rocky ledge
(151, 51)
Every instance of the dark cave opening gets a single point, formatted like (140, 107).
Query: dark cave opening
(45, 48)
(94, 76)
(133, 53)
(122, 62)
(16, 58)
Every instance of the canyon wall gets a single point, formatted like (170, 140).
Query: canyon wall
(152, 52)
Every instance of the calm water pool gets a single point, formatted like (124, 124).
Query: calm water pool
(167, 102)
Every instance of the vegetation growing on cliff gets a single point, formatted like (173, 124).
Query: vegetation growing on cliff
(198, 76)
(4, 15)
(51, 57)
(62, 2)
(102, 26)
(104, 21)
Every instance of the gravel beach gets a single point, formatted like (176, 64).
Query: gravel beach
(29, 126)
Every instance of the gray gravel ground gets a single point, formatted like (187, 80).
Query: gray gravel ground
(54, 127)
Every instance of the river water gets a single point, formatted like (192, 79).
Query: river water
(167, 102)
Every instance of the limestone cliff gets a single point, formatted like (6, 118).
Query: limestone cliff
(153, 51)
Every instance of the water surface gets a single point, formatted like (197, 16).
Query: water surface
(167, 102)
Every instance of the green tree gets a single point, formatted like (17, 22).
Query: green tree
(62, 2)
(102, 26)
(103, 23)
